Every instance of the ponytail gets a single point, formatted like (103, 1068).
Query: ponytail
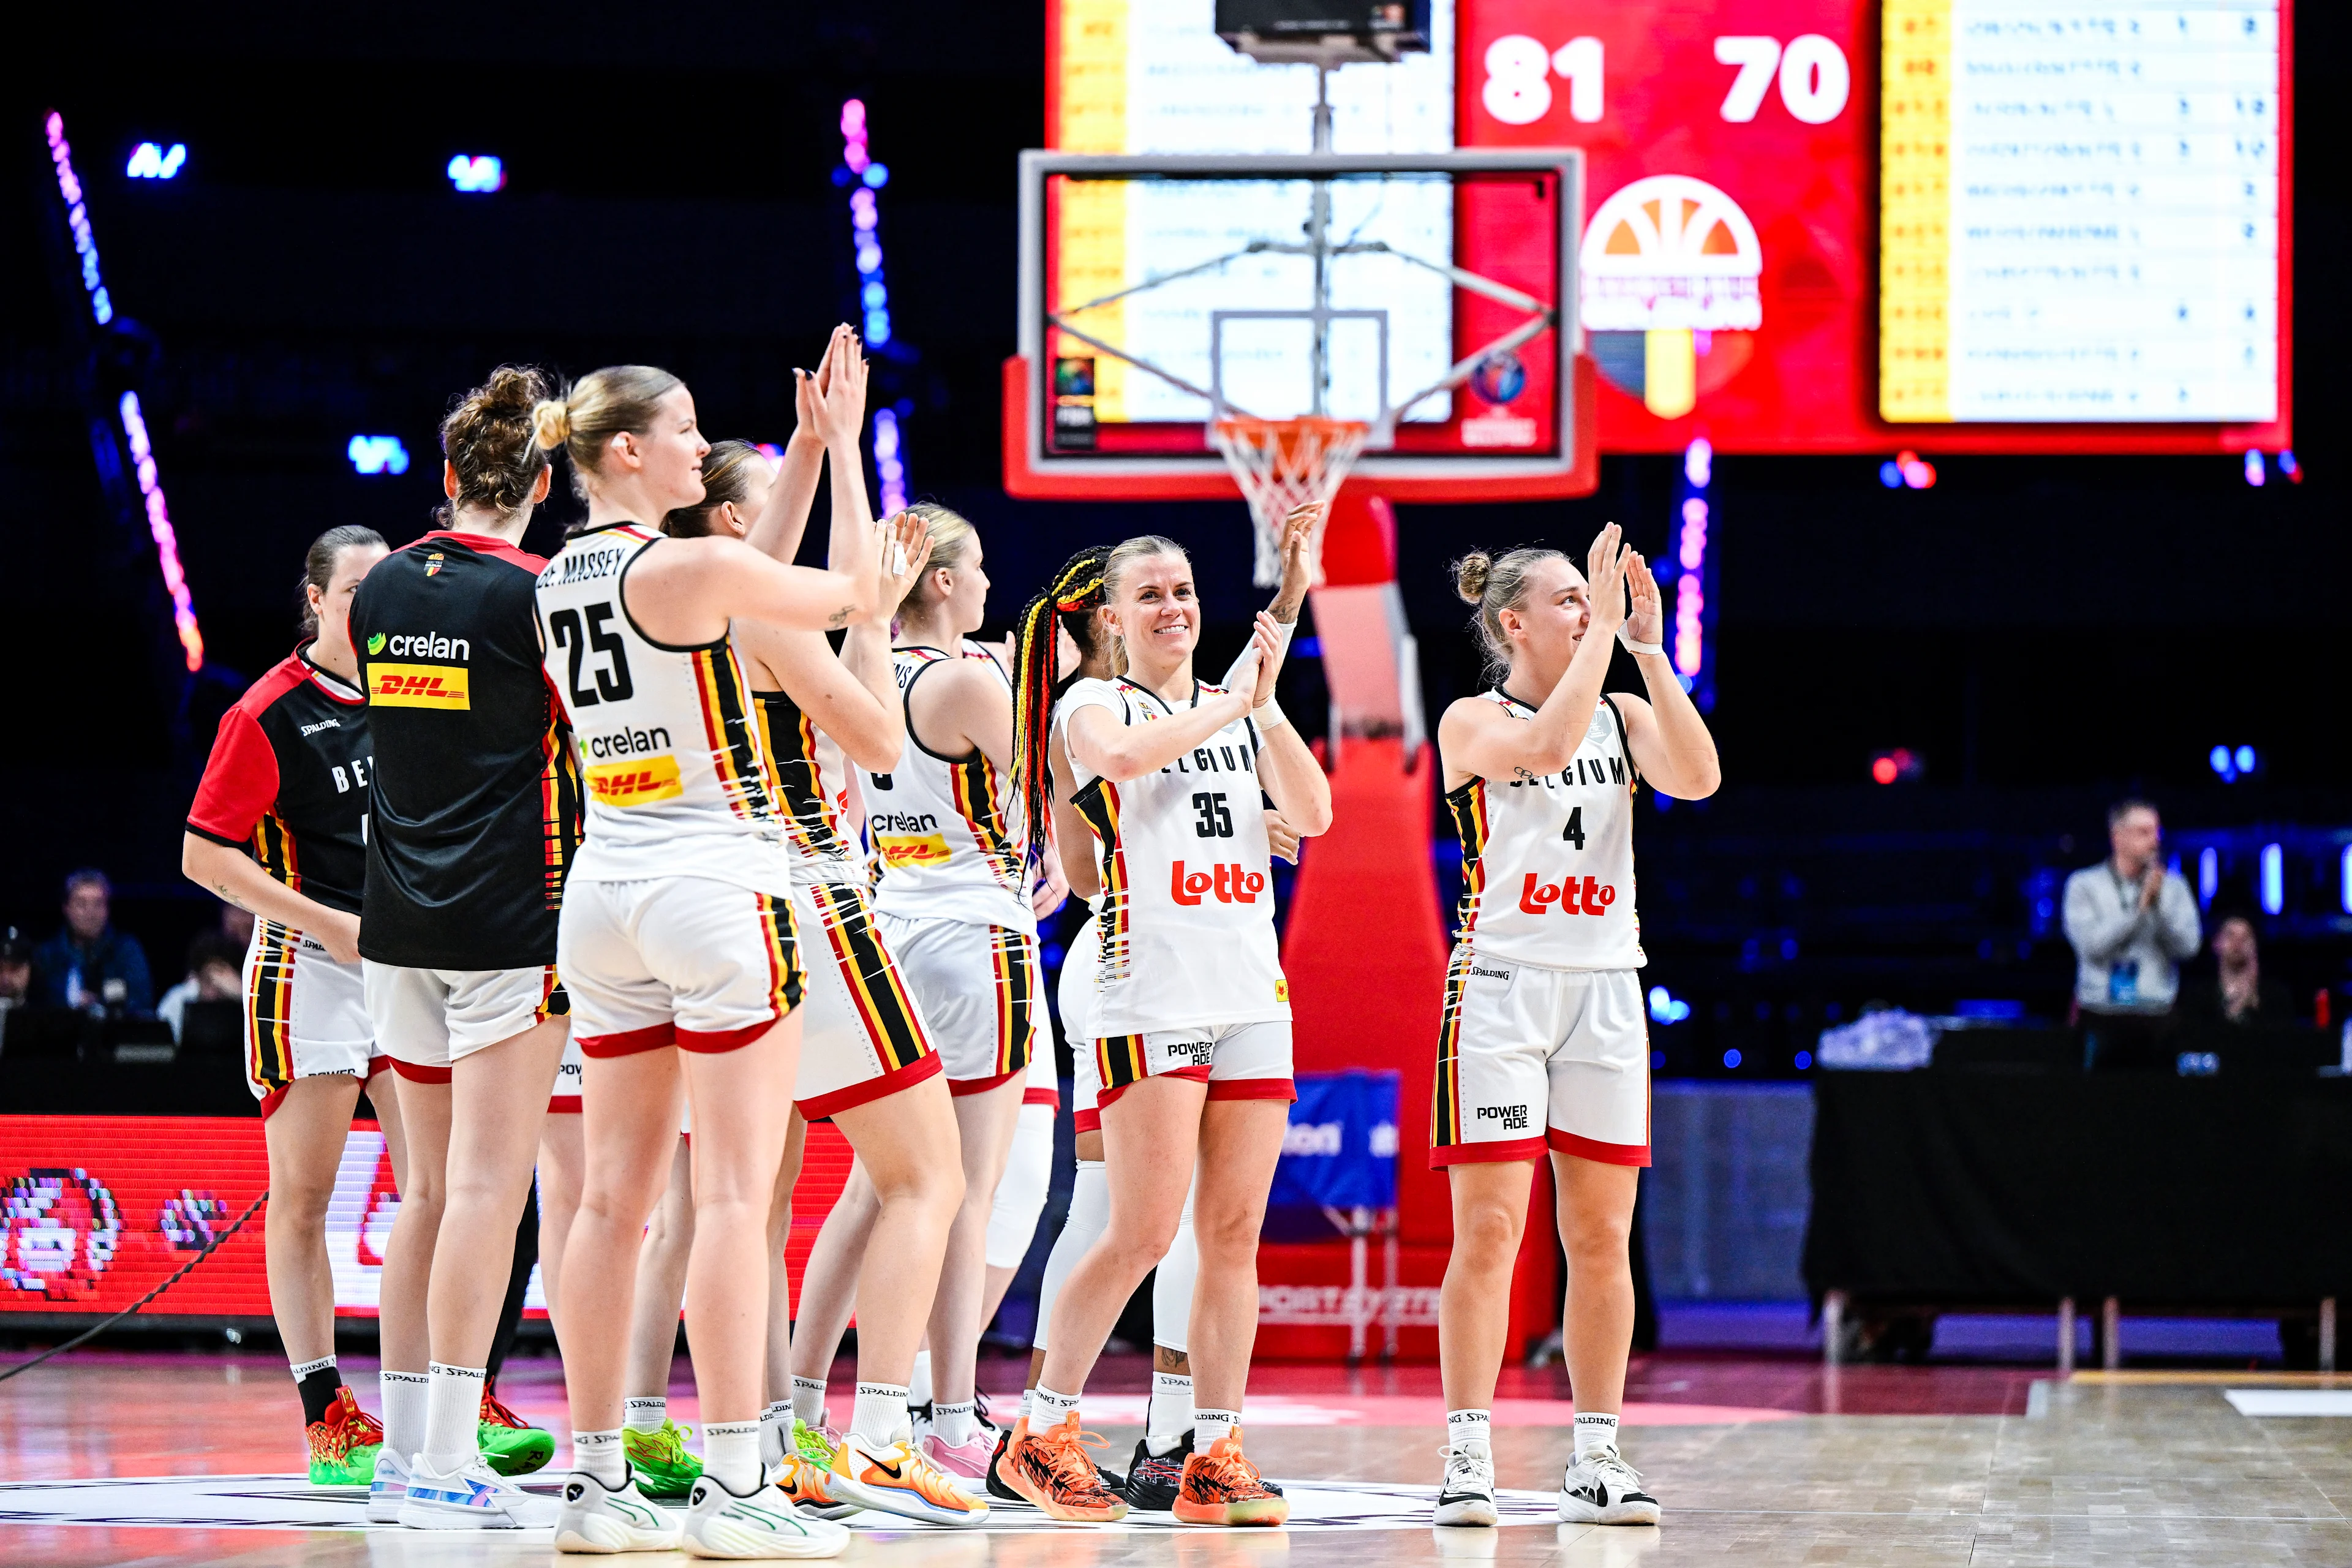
(1073, 596)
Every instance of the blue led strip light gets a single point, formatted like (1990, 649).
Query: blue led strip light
(135, 423)
(865, 177)
(1690, 638)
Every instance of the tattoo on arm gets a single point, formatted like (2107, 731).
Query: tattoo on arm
(228, 897)
(1525, 774)
(840, 617)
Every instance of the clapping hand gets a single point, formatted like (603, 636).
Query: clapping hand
(905, 551)
(1647, 623)
(1297, 559)
(1604, 574)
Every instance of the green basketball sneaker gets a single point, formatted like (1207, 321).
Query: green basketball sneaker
(344, 1443)
(511, 1445)
(815, 1445)
(665, 1471)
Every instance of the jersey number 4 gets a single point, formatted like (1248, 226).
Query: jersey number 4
(1574, 832)
(613, 684)
(1216, 817)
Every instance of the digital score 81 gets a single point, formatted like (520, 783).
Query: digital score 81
(1811, 71)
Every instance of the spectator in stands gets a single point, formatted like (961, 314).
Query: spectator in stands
(2131, 923)
(2240, 993)
(89, 964)
(215, 973)
(15, 971)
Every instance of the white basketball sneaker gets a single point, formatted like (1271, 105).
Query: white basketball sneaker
(1602, 1488)
(1468, 1495)
(596, 1518)
(388, 1488)
(719, 1523)
(472, 1497)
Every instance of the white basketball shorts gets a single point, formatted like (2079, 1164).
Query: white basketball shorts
(1237, 1061)
(862, 1034)
(1076, 996)
(1531, 1059)
(305, 1014)
(689, 961)
(979, 986)
(429, 1018)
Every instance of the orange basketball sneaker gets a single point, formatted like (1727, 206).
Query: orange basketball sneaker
(1052, 1469)
(1221, 1486)
(895, 1478)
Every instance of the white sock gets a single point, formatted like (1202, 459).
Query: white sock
(642, 1414)
(1208, 1425)
(808, 1401)
(1028, 1398)
(730, 1455)
(775, 1432)
(1169, 1411)
(598, 1454)
(453, 1417)
(307, 1367)
(880, 1413)
(1048, 1409)
(1594, 1429)
(955, 1425)
(919, 1386)
(1469, 1427)
(404, 1398)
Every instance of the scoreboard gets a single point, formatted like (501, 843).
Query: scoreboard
(1832, 225)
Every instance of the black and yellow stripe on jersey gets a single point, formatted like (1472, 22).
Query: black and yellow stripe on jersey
(735, 752)
(875, 988)
(1098, 804)
(812, 824)
(1120, 1059)
(1468, 805)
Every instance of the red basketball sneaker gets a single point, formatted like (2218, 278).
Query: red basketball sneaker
(1221, 1486)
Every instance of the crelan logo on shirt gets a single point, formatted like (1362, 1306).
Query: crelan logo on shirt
(443, 685)
(638, 781)
(375, 643)
(908, 851)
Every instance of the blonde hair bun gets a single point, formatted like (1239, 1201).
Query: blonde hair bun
(1470, 575)
(551, 424)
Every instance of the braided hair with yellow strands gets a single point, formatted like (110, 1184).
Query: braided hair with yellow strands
(1070, 601)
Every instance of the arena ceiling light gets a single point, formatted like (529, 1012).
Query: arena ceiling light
(153, 161)
(477, 174)
(377, 455)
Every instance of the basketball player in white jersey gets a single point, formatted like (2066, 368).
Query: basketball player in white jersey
(951, 850)
(1194, 1016)
(1542, 1051)
(866, 1056)
(1061, 638)
(676, 936)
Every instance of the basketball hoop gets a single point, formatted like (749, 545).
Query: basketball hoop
(1283, 465)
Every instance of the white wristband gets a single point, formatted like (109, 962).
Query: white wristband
(1638, 647)
(1269, 716)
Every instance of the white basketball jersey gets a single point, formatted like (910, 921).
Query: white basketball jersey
(1548, 864)
(813, 784)
(946, 831)
(678, 782)
(1186, 915)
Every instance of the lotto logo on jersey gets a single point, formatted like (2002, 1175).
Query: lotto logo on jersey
(1536, 896)
(419, 686)
(640, 782)
(1230, 884)
(908, 851)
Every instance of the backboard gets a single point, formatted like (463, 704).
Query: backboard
(1431, 296)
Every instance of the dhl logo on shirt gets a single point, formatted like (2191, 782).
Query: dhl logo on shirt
(912, 849)
(641, 781)
(419, 686)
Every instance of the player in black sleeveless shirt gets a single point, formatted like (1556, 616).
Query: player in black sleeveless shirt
(477, 813)
(280, 826)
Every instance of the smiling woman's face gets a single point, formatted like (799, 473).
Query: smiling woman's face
(1156, 611)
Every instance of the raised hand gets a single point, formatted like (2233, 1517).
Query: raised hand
(1264, 639)
(905, 551)
(1297, 559)
(1647, 623)
(804, 406)
(1604, 575)
(841, 395)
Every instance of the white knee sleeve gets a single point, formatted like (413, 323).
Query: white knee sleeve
(1171, 1287)
(1021, 1192)
(1089, 1217)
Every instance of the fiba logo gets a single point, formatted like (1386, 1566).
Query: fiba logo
(63, 1229)
(1500, 377)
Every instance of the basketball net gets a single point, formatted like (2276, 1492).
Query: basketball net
(1281, 465)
